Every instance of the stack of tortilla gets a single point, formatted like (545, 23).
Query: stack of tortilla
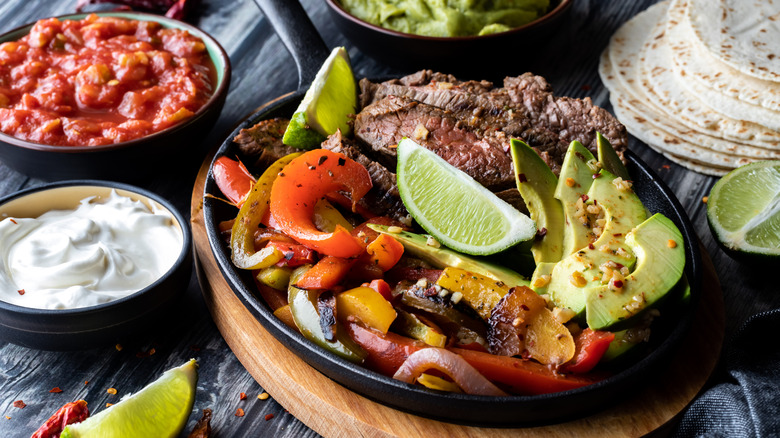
(699, 81)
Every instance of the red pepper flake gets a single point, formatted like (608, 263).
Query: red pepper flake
(239, 412)
(13, 221)
(524, 307)
(147, 353)
(584, 198)
(585, 87)
(617, 234)
(21, 291)
(521, 177)
(55, 390)
(108, 405)
(597, 175)
(590, 246)
(242, 396)
(7, 417)
(111, 391)
(268, 416)
(86, 382)
(666, 166)
(20, 404)
(618, 284)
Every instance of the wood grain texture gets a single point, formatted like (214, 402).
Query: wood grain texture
(333, 411)
(263, 70)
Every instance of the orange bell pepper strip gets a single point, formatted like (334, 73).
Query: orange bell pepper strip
(302, 183)
(326, 274)
(523, 376)
(233, 179)
(385, 251)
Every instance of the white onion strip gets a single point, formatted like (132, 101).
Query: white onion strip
(452, 364)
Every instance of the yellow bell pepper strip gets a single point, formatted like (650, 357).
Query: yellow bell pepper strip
(481, 293)
(302, 183)
(434, 382)
(326, 217)
(326, 274)
(417, 327)
(366, 306)
(303, 306)
(233, 179)
(242, 239)
(385, 251)
(275, 277)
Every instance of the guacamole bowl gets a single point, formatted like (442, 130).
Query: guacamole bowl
(452, 54)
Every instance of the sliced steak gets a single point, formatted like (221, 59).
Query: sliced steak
(383, 198)
(263, 142)
(524, 108)
(482, 155)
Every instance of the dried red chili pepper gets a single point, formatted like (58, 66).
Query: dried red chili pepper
(73, 412)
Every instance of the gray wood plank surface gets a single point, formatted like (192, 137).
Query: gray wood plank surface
(262, 70)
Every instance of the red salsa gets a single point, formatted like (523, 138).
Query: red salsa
(101, 80)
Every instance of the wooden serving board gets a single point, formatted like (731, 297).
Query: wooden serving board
(334, 411)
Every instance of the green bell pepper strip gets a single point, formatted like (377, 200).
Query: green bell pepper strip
(303, 305)
(242, 239)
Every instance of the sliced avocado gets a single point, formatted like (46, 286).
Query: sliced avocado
(660, 252)
(442, 257)
(540, 286)
(580, 271)
(609, 158)
(536, 183)
(575, 180)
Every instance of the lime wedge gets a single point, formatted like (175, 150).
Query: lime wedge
(327, 104)
(160, 409)
(743, 211)
(458, 211)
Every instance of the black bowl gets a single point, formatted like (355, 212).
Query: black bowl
(127, 161)
(668, 330)
(495, 53)
(103, 324)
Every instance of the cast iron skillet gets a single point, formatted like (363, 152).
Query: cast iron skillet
(668, 330)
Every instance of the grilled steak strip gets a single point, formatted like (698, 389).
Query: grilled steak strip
(481, 155)
(524, 108)
(264, 142)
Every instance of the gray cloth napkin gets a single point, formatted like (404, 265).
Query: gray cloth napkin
(747, 403)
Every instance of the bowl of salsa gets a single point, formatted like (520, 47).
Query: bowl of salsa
(107, 95)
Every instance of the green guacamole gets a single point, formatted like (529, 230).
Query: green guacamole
(447, 18)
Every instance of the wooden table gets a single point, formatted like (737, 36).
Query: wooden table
(262, 70)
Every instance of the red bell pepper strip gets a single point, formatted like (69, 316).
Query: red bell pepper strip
(73, 412)
(385, 351)
(522, 375)
(326, 274)
(233, 179)
(382, 287)
(295, 254)
(385, 251)
(302, 183)
(590, 346)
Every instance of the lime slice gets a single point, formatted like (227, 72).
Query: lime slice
(458, 211)
(160, 409)
(327, 104)
(743, 210)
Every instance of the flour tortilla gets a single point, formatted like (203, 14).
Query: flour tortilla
(677, 30)
(661, 85)
(744, 34)
(618, 70)
(694, 62)
(657, 131)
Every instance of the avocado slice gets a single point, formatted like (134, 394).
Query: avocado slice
(609, 158)
(441, 257)
(623, 210)
(660, 251)
(574, 181)
(536, 183)
(540, 287)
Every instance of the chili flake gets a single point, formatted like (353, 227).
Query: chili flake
(239, 412)
(21, 291)
(242, 396)
(55, 390)
(268, 416)
(20, 404)
(13, 221)
(111, 391)
(263, 396)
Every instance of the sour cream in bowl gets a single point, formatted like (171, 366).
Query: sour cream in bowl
(85, 263)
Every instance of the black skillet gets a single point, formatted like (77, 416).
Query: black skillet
(307, 48)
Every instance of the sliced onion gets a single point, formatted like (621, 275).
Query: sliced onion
(460, 371)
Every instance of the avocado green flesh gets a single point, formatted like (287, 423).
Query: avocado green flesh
(541, 269)
(536, 184)
(609, 158)
(417, 245)
(659, 267)
(575, 166)
(623, 211)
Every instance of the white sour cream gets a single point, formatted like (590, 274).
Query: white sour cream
(99, 252)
